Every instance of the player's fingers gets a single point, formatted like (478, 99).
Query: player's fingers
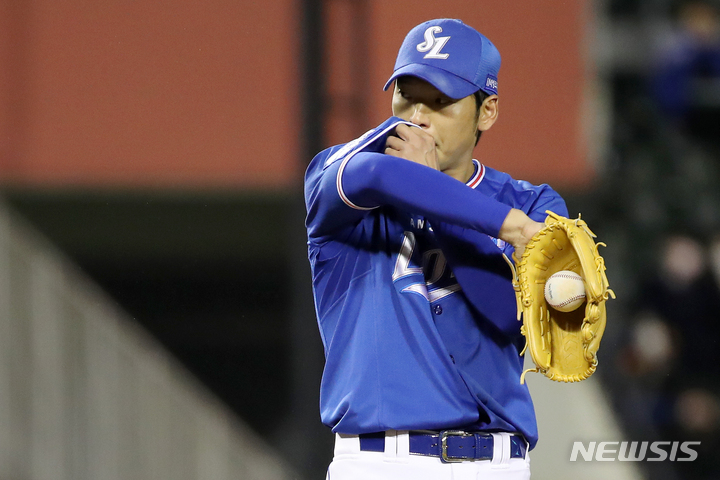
(417, 136)
(391, 151)
(409, 133)
(394, 142)
(403, 131)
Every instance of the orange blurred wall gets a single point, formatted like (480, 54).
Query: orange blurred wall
(207, 94)
(151, 93)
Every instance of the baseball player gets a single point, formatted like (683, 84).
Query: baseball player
(417, 313)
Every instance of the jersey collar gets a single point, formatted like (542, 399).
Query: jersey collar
(477, 176)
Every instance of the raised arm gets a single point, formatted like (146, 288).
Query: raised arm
(341, 186)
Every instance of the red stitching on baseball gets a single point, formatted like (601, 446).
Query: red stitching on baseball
(565, 275)
(570, 300)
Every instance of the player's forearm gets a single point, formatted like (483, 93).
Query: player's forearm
(518, 229)
(373, 179)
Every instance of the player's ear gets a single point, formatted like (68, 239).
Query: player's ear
(488, 113)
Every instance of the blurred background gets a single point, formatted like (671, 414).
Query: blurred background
(156, 315)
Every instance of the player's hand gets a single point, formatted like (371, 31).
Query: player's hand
(518, 229)
(414, 144)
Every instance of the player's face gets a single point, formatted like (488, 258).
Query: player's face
(452, 123)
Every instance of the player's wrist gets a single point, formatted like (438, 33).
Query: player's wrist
(518, 229)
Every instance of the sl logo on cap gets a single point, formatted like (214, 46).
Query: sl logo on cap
(433, 45)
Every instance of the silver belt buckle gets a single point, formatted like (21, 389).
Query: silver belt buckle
(443, 444)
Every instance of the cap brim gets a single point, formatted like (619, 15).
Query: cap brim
(448, 83)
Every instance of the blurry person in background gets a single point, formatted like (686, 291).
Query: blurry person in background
(685, 294)
(674, 381)
(696, 417)
(715, 258)
(647, 364)
(685, 83)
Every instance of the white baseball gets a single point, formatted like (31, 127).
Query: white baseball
(565, 291)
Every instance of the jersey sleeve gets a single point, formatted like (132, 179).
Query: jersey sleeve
(378, 179)
(330, 213)
(327, 214)
(342, 185)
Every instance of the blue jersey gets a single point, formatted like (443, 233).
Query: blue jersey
(413, 297)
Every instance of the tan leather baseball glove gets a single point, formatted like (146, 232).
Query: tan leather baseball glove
(563, 345)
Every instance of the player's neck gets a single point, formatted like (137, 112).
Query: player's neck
(463, 171)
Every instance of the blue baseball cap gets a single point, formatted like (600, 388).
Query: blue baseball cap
(453, 57)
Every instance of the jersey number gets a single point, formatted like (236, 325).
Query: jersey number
(438, 281)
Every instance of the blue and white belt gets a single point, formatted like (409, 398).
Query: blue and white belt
(449, 445)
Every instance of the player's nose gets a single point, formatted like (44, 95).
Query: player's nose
(420, 115)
